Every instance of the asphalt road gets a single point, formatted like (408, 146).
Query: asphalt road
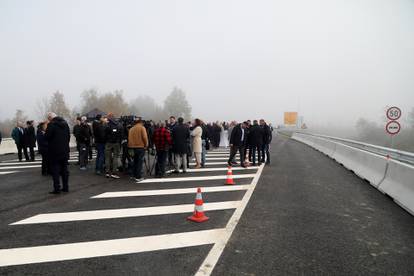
(307, 216)
(311, 216)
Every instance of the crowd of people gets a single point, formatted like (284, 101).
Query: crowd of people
(125, 145)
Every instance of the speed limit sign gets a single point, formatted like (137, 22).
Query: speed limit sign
(393, 113)
(393, 127)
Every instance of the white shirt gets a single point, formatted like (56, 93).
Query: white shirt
(242, 137)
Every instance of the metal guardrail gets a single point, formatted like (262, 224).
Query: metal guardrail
(402, 156)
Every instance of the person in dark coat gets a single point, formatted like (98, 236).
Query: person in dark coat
(76, 130)
(84, 141)
(58, 138)
(98, 127)
(42, 147)
(204, 143)
(171, 124)
(113, 138)
(18, 137)
(267, 139)
(238, 140)
(216, 134)
(30, 139)
(256, 140)
(180, 135)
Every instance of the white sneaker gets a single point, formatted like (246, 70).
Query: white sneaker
(115, 176)
(139, 180)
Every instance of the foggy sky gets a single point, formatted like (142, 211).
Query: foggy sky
(333, 60)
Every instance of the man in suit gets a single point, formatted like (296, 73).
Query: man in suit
(30, 139)
(180, 142)
(58, 137)
(237, 143)
(18, 137)
(256, 140)
(267, 139)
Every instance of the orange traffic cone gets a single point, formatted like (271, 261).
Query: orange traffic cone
(229, 180)
(198, 215)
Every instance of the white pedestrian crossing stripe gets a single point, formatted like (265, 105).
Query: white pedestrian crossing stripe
(124, 213)
(73, 251)
(8, 172)
(172, 191)
(195, 178)
(201, 170)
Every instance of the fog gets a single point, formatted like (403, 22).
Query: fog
(333, 61)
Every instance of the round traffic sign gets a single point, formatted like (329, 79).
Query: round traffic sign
(393, 113)
(393, 127)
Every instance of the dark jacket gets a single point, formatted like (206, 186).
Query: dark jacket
(237, 135)
(205, 134)
(180, 135)
(76, 131)
(98, 132)
(84, 136)
(113, 132)
(41, 141)
(267, 134)
(30, 137)
(18, 136)
(58, 138)
(256, 135)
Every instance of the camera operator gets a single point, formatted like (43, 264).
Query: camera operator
(137, 143)
(113, 136)
(126, 160)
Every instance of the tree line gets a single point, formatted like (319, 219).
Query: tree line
(175, 103)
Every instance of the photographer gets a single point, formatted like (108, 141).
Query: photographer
(113, 135)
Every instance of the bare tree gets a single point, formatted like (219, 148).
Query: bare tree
(90, 100)
(146, 107)
(42, 107)
(114, 102)
(58, 105)
(176, 104)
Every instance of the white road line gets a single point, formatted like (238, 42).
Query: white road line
(8, 172)
(125, 213)
(27, 165)
(20, 167)
(216, 169)
(38, 161)
(19, 163)
(210, 163)
(80, 250)
(194, 178)
(210, 261)
(216, 158)
(172, 191)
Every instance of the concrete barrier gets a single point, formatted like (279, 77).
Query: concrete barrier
(366, 165)
(302, 138)
(399, 184)
(8, 146)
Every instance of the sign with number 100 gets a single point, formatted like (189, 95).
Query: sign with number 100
(393, 113)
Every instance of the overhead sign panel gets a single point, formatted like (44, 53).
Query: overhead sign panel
(291, 118)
